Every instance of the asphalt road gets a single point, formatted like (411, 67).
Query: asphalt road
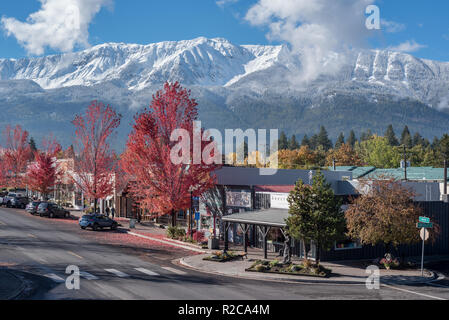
(40, 249)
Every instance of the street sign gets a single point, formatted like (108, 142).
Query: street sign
(424, 234)
(196, 203)
(424, 219)
(424, 225)
(197, 216)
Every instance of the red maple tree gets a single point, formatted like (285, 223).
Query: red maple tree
(42, 173)
(95, 160)
(158, 184)
(16, 155)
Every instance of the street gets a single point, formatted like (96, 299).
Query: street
(40, 249)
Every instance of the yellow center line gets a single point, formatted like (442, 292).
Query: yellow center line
(2, 224)
(32, 235)
(74, 254)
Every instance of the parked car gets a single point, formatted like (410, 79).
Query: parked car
(17, 202)
(6, 200)
(32, 207)
(52, 210)
(97, 221)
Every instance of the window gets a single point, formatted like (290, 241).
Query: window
(348, 244)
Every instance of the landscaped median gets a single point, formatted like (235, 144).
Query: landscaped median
(337, 273)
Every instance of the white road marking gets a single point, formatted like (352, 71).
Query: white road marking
(54, 277)
(117, 273)
(414, 292)
(148, 272)
(74, 254)
(174, 270)
(88, 276)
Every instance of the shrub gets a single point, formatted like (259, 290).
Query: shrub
(295, 268)
(175, 233)
(274, 263)
(261, 268)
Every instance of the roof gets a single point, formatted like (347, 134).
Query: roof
(269, 217)
(413, 173)
(280, 189)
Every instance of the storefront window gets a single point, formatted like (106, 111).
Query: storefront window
(347, 244)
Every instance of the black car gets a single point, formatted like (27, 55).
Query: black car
(17, 202)
(52, 210)
(32, 207)
(97, 221)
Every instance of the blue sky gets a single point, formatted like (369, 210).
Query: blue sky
(423, 26)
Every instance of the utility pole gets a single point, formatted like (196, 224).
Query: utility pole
(445, 176)
(191, 214)
(405, 163)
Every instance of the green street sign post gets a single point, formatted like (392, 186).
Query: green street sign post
(424, 219)
(424, 223)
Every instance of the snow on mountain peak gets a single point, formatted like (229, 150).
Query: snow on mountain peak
(219, 63)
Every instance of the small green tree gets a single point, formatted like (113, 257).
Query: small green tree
(340, 140)
(293, 143)
(283, 141)
(352, 139)
(391, 136)
(315, 214)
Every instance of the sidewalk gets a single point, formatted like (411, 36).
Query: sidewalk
(10, 285)
(342, 273)
(150, 231)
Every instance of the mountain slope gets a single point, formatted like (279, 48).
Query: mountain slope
(248, 86)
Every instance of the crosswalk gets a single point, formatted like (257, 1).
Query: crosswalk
(111, 271)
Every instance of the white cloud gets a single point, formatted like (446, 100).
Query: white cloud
(408, 46)
(222, 3)
(321, 32)
(59, 24)
(392, 27)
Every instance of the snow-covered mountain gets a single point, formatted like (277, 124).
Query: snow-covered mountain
(247, 85)
(219, 63)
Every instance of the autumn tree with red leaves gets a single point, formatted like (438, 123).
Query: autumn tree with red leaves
(95, 160)
(160, 185)
(42, 173)
(16, 155)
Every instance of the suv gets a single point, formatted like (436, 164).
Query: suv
(52, 210)
(32, 207)
(17, 202)
(97, 221)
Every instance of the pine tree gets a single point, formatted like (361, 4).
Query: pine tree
(323, 139)
(314, 142)
(406, 138)
(366, 135)
(391, 136)
(443, 147)
(283, 141)
(293, 144)
(340, 140)
(305, 142)
(33, 147)
(418, 140)
(315, 214)
(435, 143)
(352, 139)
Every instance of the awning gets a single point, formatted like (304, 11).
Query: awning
(269, 217)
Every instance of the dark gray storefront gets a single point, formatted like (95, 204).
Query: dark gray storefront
(262, 221)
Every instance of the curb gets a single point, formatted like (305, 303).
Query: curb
(185, 264)
(166, 242)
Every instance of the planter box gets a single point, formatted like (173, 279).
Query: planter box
(291, 273)
(213, 244)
